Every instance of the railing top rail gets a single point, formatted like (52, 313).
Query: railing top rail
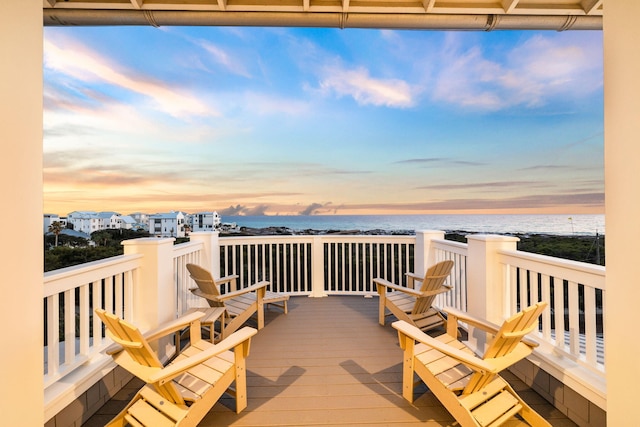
(451, 246)
(187, 247)
(580, 272)
(63, 279)
(323, 237)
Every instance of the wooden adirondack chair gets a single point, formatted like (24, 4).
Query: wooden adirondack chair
(469, 386)
(183, 392)
(240, 304)
(414, 305)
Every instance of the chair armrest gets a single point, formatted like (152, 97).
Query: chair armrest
(242, 291)
(469, 359)
(486, 326)
(415, 276)
(163, 330)
(211, 297)
(226, 279)
(387, 284)
(461, 316)
(174, 369)
(443, 288)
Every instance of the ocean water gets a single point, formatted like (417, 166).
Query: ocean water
(494, 224)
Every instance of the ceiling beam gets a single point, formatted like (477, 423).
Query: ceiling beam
(137, 4)
(48, 3)
(487, 22)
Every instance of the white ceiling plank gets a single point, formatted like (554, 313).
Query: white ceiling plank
(591, 6)
(509, 5)
(428, 5)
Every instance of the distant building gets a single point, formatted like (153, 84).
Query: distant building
(85, 221)
(128, 223)
(141, 220)
(110, 220)
(50, 219)
(169, 224)
(205, 221)
(90, 221)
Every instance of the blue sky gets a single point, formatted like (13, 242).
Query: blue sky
(322, 121)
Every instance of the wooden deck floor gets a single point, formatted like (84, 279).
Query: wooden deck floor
(329, 363)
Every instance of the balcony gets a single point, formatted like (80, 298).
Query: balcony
(491, 279)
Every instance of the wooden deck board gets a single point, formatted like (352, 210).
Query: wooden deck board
(329, 363)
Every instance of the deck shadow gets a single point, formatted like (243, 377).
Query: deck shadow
(425, 408)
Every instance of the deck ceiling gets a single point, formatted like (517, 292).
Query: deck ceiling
(416, 14)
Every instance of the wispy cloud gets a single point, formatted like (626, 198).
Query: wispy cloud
(437, 160)
(221, 56)
(483, 185)
(531, 74)
(79, 62)
(365, 89)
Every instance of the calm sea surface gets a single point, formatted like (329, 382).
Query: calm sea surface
(497, 224)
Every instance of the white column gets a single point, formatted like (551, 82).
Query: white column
(211, 256)
(154, 294)
(21, 310)
(622, 206)
(425, 253)
(486, 290)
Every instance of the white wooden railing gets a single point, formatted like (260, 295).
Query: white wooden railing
(183, 254)
(318, 265)
(151, 283)
(70, 295)
(456, 252)
(575, 291)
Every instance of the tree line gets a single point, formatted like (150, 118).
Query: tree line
(64, 250)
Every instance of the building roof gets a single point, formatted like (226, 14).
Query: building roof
(416, 14)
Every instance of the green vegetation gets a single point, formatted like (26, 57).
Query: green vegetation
(76, 250)
(71, 250)
(576, 248)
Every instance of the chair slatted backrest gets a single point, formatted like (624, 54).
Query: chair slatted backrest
(205, 282)
(511, 333)
(138, 349)
(434, 278)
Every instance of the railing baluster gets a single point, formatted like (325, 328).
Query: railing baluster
(69, 326)
(53, 335)
(97, 303)
(83, 309)
(574, 319)
(590, 325)
(524, 283)
(118, 295)
(558, 310)
(546, 315)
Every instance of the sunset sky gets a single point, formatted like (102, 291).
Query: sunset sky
(322, 121)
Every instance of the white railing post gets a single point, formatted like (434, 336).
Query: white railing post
(425, 254)
(154, 297)
(487, 295)
(211, 251)
(317, 268)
